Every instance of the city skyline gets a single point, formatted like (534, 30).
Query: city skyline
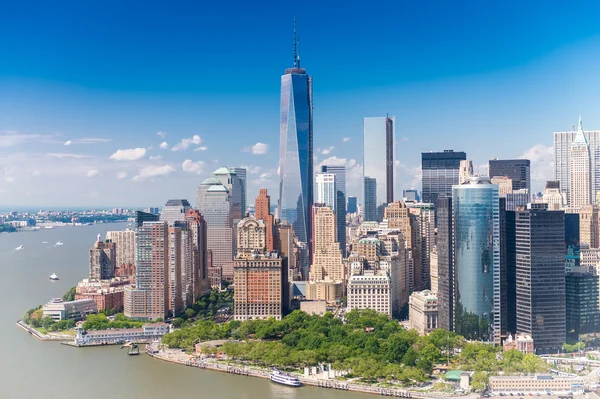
(83, 123)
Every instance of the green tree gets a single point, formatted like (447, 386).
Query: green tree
(69, 295)
(479, 380)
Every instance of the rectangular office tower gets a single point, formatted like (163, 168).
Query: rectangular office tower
(379, 147)
(518, 170)
(440, 173)
(340, 201)
(540, 276)
(445, 252)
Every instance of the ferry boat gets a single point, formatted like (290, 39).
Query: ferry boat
(20, 247)
(284, 379)
(133, 350)
(53, 277)
(59, 243)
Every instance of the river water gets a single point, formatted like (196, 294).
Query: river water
(30, 368)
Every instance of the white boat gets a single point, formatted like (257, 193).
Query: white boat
(60, 243)
(20, 247)
(53, 276)
(284, 378)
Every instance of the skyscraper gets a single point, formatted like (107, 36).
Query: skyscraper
(175, 281)
(589, 226)
(296, 149)
(518, 170)
(562, 158)
(379, 147)
(540, 277)
(174, 210)
(477, 307)
(236, 189)
(580, 193)
(125, 250)
(440, 173)
(465, 171)
(445, 251)
(370, 204)
(196, 224)
(262, 211)
(340, 205)
(326, 189)
(242, 175)
(352, 205)
(213, 200)
(103, 260)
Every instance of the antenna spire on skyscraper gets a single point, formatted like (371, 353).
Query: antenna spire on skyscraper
(295, 41)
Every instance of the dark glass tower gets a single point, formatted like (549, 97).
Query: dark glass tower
(440, 173)
(540, 276)
(518, 170)
(296, 149)
(445, 264)
(370, 211)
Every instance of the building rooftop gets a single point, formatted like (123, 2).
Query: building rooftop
(224, 170)
(369, 240)
(210, 181)
(454, 375)
(177, 202)
(218, 188)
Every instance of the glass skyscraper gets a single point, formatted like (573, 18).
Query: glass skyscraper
(340, 207)
(379, 150)
(476, 217)
(440, 173)
(296, 150)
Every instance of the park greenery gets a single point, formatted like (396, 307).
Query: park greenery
(35, 318)
(101, 322)
(568, 348)
(7, 228)
(367, 344)
(206, 307)
(69, 295)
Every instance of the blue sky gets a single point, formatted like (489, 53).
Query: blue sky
(492, 80)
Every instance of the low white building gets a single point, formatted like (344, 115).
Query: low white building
(370, 290)
(58, 309)
(148, 333)
(423, 311)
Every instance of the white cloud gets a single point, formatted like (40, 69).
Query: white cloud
(164, 145)
(67, 155)
(542, 165)
(155, 157)
(129, 155)
(93, 173)
(193, 167)
(328, 151)
(260, 148)
(161, 134)
(121, 175)
(202, 148)
(251, 169)
(8, 174)
(184, 144)
(264, 179)
(88, 140)
(68, 142)
(151, 171)
(346, 139)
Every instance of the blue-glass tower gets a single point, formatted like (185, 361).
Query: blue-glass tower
(296, 149)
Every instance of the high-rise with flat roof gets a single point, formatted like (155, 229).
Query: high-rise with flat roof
(296, 149)
(125, 251)
(440, 173)
(326, 189)
(242, 174)
(103, 260)
(540, 276)
(379, 147)
(174, 211)
(370, 205)
(262, 210)
(196, 224)
(517, 170)
(445, 255)
(340, 205)
(352, 205)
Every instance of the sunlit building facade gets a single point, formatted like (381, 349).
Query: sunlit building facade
(379, 146)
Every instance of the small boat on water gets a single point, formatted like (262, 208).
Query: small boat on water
(59, 243)
(133, 350)
(53, 277)
(20, 247)
(284, 378)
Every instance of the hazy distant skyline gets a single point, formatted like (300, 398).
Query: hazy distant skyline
(132, 105)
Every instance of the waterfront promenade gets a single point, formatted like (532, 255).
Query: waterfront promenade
(44, 337)
(179, 357)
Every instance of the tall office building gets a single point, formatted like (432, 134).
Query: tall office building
(509, 239)
(340, 205)
(141, 217)
(370, 204)
(327, 256)
(326, 190)
(582, 312)
(242, 173)
(214, 202)
(296, 149)
(477, 307)
(125, 249)
(589, 226)
(149, 298)
(379, 147)
(260, 277)
(540, 277)
(103, 260)
(424, 235)
(553, 196)
(236, 188)
(411, 195)
(352, 205)
(196, 224)
(518, 170)
(445, 253)
(174, 210)
(262, 211)
(580, 171)
(440, 173)
(562, 158)
(175, 267)
(465, 171)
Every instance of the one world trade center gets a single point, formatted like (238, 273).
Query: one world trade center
(296, 149)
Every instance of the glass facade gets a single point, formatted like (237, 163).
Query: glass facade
(440, 173)
(379, 147)
(518, 170)
(370, 204)
(477, 259)
(296, 151)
